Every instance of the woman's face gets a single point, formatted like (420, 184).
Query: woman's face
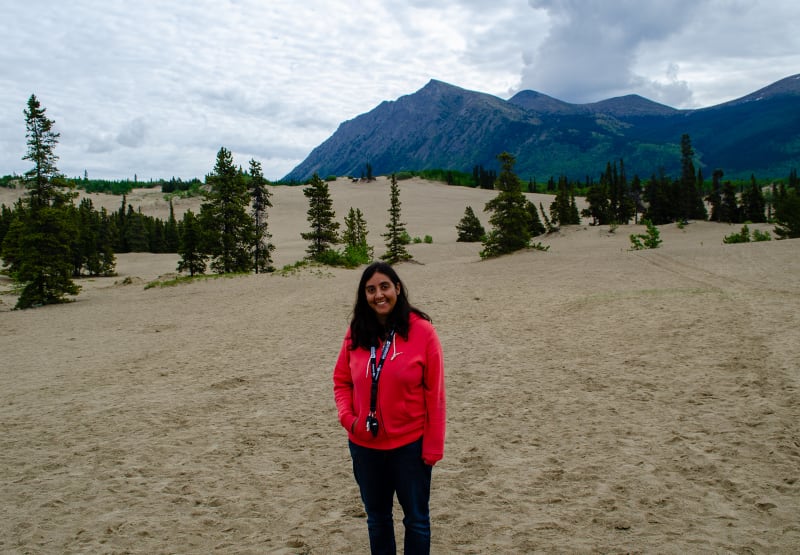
(381, 295)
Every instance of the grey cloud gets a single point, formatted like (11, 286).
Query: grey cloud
(100, 145)
(592, 46)
(133, 135)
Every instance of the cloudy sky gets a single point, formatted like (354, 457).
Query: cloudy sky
(154, 88)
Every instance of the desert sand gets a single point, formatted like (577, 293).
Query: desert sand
(599, 399)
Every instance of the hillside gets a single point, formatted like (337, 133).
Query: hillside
(443, 126)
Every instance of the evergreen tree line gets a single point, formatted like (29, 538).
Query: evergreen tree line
(662, 199)
(484, 179)
(515, 220)
(98, 232)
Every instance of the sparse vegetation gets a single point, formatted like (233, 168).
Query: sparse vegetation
(746, 236)
(649, 240)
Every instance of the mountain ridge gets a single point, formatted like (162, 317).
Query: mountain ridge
(445, 126)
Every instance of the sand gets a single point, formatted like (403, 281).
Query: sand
(600, 400)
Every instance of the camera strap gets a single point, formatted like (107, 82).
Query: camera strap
(375, 368)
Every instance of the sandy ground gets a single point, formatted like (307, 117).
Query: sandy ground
(600, 400)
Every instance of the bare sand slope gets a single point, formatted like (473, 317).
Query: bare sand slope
(600, 400)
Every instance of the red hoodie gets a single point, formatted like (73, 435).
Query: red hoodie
(411, 398)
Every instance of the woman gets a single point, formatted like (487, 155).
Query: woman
(389, 389)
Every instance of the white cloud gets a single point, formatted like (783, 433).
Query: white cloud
(155, 88)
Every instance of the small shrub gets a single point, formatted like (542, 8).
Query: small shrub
(761, 236)
(745, 236)
(350, 257)
(649, 240)
(405, 238)
(417, 240)
(428, 239)
(742, 237)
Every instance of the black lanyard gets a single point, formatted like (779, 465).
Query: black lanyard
(375, 369)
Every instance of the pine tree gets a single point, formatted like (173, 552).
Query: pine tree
(690, 197)
(729, 208)
(193, 260)
(45, 266)
(787, 208)
(227, 225)
(621, 204)
(171, 236)
(787, 215)
(470, 229)
(636, 198)
(510, 218)
(43, 181)
(658, 196)
(714, 198)
(599, 208)
(37, 246)
(106, 235)
(324, 228)
(136, 237)
(753, 205)
(259, 193)
(564, 210)
(535, 225)
(356, 248)
(395, 246)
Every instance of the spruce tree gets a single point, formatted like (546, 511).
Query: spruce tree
(395, 246)
(137, 238)
(44, 182)
(259, 193)
(37, 247)
(535, 225)
(227, 225)
(787, 208)
(599, 208)
(621, 202)
(690, 197)
(356, 248)
(510, 218)
(171, 236)
(190, 246)
(729, 208)
(324, 228)
(753, 206)
(714, 198)
(470, 229)
(564, 210)
(658, 196)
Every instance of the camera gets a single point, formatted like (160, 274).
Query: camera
(372, 425)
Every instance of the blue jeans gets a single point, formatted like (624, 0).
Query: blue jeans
(382, 473)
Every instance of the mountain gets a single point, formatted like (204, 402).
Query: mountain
(443, 126)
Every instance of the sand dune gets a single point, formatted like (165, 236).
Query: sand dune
(600, 400)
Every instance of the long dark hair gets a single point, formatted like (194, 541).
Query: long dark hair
(365, 329)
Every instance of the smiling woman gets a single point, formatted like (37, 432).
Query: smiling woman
(394, 412)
